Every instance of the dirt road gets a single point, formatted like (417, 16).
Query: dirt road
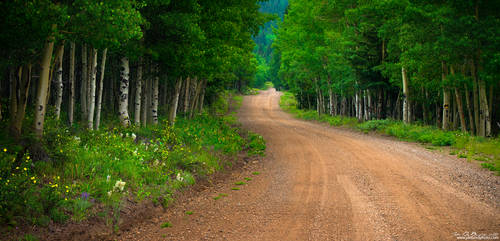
(323, 183)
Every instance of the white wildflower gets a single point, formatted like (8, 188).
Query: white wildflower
(133, 136)
(156, 163)
(109, 193)
(108, 178)
(126, 135)
(179, 177)
(119, 185)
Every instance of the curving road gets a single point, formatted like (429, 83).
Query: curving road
(323, 183)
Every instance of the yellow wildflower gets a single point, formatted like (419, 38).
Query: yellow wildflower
(5, 150)
(25, 169)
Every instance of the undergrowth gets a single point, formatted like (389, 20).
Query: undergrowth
(486, 150)
(92, 173)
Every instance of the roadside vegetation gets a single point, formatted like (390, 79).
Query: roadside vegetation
(92, 173)
(464, 145)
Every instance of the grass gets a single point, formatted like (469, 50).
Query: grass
(255, 173)
(92, 173)
(235, 188)
(189, 212)
(248, 179)
(240, 183)
(463, 144)
(221, 195)
(166, 225)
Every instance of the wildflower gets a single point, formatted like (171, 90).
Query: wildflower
(25, 169)
(85, 196)
(133, 136)
(109, 194)
(179, 177)
(34, 181)
(5, 150)
(119, 185)
(28, 157)
(108, 178)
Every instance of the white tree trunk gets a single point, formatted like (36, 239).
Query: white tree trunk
(406, 106)
(484, 114)
(59, 81)
(146, 100)
(186, 95)
(83, 86)
(124, 85)
(330, 96)
(446, 100)
(475, 99)
(93, 76)
(101, 85)
(175, 102)
(23, 86)
(365, 105)
(138, 97)
(369, 107)
(71, 108)
(356, 105)
(202, 96)
(43, 85)
(154, 101)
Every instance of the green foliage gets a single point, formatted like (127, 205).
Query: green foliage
(29, 237)
(166, 225)
(487, 149)
(108, 165)
(256, 145)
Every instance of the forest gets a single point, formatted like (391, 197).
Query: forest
(427, 62)
(110, 107)
(90, 91)
(264, 50)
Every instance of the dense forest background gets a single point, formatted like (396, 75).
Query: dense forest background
(428, 62)
(264, 40)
